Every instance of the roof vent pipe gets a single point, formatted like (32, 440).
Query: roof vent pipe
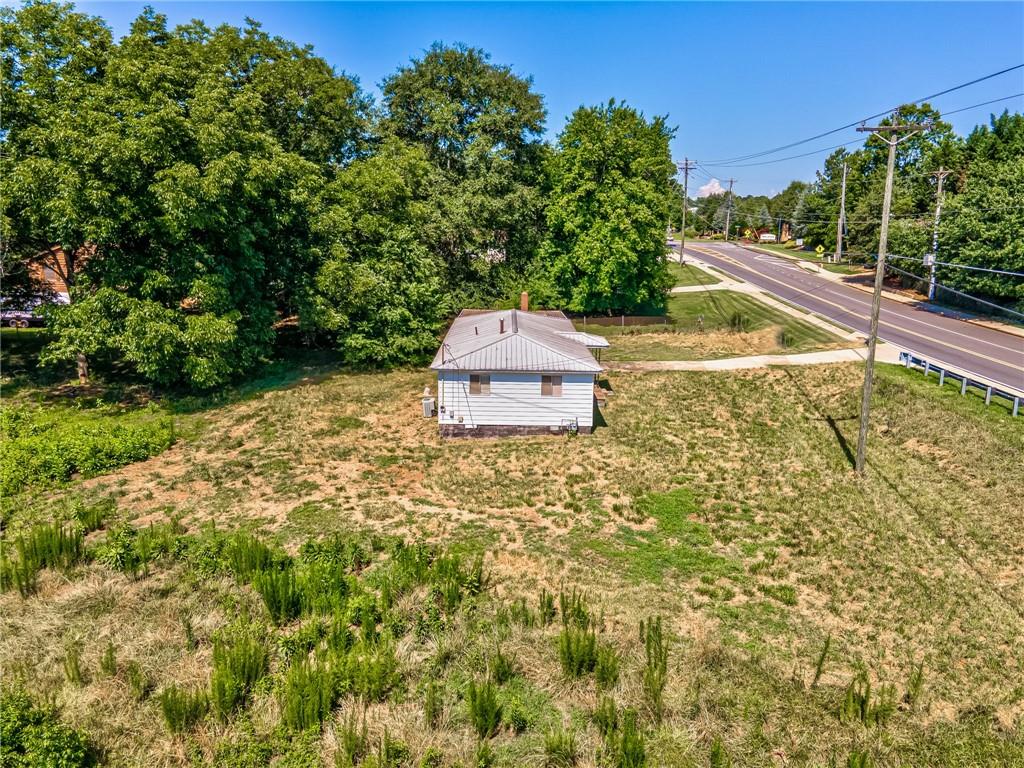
(476, 330)
(501, 325)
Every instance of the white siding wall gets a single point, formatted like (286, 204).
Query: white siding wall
(515, 399)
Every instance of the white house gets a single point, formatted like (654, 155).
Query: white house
(513, 372)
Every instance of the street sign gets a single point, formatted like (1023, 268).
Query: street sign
(819, 250)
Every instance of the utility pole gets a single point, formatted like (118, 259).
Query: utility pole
(687, 166)
(842, 218)
(940, 174)
(876, 301)
(728, 210)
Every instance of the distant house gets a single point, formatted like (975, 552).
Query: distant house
(515, 372)
(50, 272)
(54, 271)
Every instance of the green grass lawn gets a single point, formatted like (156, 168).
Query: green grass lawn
(687, 275)
(713, 324)
(53, 431)
(723, 502)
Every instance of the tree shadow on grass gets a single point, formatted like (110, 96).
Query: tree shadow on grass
(116, 384)
(297, 369)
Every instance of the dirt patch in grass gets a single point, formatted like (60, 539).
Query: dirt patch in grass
(689, 345)
(692, 346)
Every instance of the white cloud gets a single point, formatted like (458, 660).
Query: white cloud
(713, 187)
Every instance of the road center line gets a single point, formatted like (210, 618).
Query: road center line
(846, 310)
(1018, 350)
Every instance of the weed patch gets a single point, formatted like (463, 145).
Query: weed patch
(47, 447)
(678, 546)
(35, 736)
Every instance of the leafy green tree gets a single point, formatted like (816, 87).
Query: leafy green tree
(723, 214)
(177, 161)
(913, 194)
(781, 206)
(53, 63)
(807, 213)
(35, 736)
(378, 290)
(480, 124)
(454, 98)
(707, 211)
(982, 227)
(675, 206)
(607, 217)
(909, 237)
(999, 141)
(763, 218)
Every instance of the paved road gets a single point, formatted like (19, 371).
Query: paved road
(986, 352)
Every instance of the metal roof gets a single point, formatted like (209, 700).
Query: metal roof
(513, 340)
(589, 340)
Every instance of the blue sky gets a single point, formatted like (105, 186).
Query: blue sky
(735, 78)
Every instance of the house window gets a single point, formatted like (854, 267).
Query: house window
(551, 386)
(479, 384)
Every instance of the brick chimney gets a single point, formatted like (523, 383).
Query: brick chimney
(524, 302)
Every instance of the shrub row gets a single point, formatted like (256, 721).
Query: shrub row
(35, 736)
(40, 449)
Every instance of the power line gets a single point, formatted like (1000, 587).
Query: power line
(703, 173)
(701, 167)
(815, 218)
(852, 141)
(962, 85)
(999, 307)
(784, 159)
(958, 266)
(983, 104)
(855, 123)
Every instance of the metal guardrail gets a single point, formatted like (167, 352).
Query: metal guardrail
(966, 380)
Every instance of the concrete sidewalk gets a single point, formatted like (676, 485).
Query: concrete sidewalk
(885, 353)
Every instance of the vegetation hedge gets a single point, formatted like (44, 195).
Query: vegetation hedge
(31, 736)
(45, 448)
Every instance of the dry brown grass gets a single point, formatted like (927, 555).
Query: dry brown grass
(920, 561)
(708, 345)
